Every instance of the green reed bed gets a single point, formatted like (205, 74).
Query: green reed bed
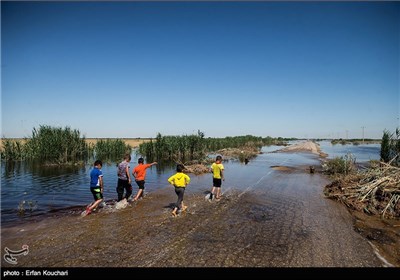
(111, 149)
(214, 144)
(175, 148)
(48, 145)
(13, 150)
(196, 147)
(390, 147)
(56, 145)
(344, 165)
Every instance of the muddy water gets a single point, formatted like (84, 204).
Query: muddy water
(279, 219)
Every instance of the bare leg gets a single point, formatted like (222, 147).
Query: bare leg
(94, 204)
(174, 211)
(139, 193)
(218, 193)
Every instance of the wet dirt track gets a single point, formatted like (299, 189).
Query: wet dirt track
(282, 222)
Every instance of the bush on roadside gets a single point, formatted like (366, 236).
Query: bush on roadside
(340, 165)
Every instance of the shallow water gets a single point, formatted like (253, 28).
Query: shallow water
(267, 217)
(362, 153)
(280, 221)
(28, 192)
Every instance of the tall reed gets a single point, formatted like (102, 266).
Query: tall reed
(390, 147)
(56, 145)
(111, 149)
(196, 146)
(176, 148)
(52, 145)
(13, 150)
(340, 165)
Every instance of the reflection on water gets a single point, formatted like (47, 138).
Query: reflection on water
(51, 189)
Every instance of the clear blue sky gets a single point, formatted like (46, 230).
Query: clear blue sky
(133, 69)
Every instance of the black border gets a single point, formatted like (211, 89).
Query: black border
(177, 272)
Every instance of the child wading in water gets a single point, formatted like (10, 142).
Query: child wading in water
(217, 168)
(96, 186)
(139, 172)
(180, 180)
(124, 179)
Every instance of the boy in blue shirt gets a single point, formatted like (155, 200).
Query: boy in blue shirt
(96, 186)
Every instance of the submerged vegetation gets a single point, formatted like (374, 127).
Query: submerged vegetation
(56, 145)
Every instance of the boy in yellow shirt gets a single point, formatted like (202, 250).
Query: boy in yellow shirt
(217, 169)
(180, 180)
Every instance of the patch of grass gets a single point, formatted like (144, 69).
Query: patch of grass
(340, 165)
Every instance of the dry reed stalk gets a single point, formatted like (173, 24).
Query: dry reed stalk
(375, 191)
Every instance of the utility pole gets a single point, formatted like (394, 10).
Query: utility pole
(363, 133)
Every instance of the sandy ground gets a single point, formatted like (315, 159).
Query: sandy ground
(287, 222)
(133, 142)
(306, 146)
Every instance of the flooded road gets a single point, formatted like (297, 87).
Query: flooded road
(280, 219)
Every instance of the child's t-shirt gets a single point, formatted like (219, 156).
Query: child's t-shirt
(95, 174)
(216, 168)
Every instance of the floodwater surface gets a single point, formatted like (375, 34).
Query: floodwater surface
(267, 217)
(29, 191)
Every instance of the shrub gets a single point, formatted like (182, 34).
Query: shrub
(340, 165)
(390, 147)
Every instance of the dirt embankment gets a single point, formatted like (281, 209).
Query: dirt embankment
(243, 154)
(307, 146)
(239, 153)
